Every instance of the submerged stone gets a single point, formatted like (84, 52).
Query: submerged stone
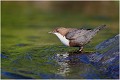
(10, 75)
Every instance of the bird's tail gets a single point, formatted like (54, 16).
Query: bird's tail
(99, 28)
(94, 32)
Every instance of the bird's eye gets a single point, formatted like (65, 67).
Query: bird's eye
(57, 31)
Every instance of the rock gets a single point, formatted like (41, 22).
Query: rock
(13, 75)
(107, 60)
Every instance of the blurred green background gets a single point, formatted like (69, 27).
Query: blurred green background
(25, 26)
(29, 22)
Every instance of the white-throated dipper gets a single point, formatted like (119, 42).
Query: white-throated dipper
(74, 37)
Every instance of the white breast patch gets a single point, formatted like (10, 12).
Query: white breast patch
(62, 39)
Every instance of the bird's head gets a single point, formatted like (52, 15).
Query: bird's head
(63, 31)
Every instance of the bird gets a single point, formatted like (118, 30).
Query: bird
(76, 37)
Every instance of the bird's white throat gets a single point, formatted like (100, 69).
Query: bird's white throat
(62, 39)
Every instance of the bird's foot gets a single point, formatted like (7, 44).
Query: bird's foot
(81, 49)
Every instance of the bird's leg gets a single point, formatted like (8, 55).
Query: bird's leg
(80, 48)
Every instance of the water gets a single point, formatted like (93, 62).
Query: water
(50, 64)
(60, 62)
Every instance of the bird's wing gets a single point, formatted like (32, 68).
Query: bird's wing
(76, 33)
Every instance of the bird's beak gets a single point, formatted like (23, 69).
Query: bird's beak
(50, 32)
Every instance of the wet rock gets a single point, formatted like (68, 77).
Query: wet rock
(4, 56)
(108, 61)
(25, 72)
(107, 44)
(13, 75)
(85, 59)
